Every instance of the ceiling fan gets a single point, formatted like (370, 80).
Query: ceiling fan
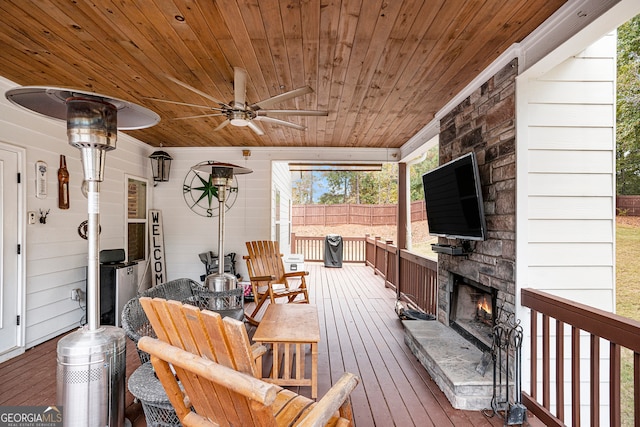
(239, 113)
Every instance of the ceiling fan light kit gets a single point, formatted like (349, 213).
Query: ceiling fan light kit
(239, 113)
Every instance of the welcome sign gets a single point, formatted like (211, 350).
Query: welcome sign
(156, 243)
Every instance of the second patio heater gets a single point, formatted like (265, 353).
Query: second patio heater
(91, 360)
(220, 283)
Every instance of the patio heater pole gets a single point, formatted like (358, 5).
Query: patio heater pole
(221, 176)
(92, 360)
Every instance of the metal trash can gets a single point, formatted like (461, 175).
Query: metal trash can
(333, 251)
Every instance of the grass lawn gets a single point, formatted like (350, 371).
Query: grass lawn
(627, 299)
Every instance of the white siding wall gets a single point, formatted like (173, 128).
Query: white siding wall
(282, 186)
(566, 181)
(187, 234)
(566, 168)
(56, 256)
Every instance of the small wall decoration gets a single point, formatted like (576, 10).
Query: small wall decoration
(201, 195)
(41, 179)
(43, 216)
(63, 184)
(83, 228)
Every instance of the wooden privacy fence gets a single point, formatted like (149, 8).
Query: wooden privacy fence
(628, 205)
(324, 215)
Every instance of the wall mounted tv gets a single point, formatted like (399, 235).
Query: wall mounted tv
(453, 198)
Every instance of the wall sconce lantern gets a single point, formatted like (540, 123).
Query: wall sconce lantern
(160, 165)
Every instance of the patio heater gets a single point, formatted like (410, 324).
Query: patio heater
(92, 360)
(221, 177)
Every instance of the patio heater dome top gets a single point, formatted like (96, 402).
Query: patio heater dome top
(52, 102)
(217, 168)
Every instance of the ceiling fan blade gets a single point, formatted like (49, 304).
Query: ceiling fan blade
(221, 125)
(254, 127)
(280, 122)
(292, 112)
(182, 103)
(199, 116)
(282, 97)
(239, 87)
(193, 89)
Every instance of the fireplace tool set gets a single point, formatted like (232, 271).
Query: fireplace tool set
(506, 353)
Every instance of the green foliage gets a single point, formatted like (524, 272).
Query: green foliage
(628, 108)
(369, 188)
(338, 187)
(417, 170)
(302, 190)
(627, 304)
(362, 187)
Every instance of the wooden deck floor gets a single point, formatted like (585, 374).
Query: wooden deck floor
(360, 333)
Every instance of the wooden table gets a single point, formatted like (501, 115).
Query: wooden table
(288, 327)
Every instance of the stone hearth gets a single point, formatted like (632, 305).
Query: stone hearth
(451, 361)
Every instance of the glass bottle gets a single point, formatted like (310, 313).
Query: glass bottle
(63, 184)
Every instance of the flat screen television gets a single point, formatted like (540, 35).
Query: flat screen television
(453, 199)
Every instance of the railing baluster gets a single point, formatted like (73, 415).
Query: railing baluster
(575, 376)
(534, 354)
(560, 370)
(614, 385)
(546, 363)
(636, 387)
(595, 380)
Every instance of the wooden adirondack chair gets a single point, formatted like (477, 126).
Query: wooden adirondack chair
(269, 281)
(214, 381)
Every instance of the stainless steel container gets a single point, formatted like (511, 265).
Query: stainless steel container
(219, 282)
(224, 296)
(91, 377)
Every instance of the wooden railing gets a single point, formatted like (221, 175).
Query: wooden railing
(312, 248)
(551, 357)
(416, 279)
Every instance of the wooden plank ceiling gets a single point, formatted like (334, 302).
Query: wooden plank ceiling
(380, 68)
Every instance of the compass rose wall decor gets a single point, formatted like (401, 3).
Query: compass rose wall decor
(201, 194)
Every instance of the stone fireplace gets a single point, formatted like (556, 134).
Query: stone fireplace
(473, 287)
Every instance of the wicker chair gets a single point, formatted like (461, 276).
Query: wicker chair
(134, 319)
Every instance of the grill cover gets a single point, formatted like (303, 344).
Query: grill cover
(333, 251)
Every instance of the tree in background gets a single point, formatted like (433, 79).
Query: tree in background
(369, 188)
(418, 169)
(305, 187)
(628, 108)
(340, 188)
(347, 187)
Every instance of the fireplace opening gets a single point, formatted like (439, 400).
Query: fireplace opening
(472, 311)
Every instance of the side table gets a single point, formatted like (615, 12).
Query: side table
(288, 327)
(144, 386)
